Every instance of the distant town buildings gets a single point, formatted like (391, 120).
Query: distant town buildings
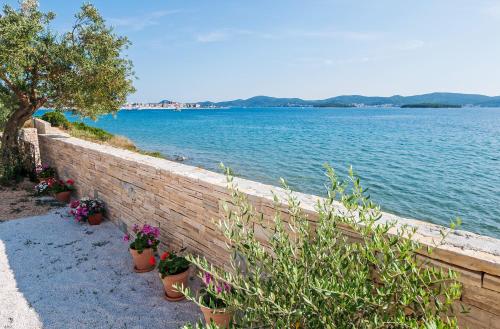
(163, 105)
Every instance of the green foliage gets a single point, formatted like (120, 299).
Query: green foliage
(200, 325)
(81, 130)
(56, 119)
(311, 274)
(81, 70)
(171, 264)
(58, 185)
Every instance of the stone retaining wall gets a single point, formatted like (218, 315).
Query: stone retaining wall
(182, 200)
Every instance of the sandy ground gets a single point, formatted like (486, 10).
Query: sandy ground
(18, 201)
(55, 273)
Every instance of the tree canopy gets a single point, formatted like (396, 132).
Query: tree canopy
(83, 70)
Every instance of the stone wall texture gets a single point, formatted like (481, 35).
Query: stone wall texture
(182, 200)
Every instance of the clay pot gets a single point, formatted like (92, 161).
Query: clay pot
(141, 261)
(169, 281)
(95, 219)
(220, 317)
(63, 197)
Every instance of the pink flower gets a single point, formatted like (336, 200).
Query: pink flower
(126, 237)
(135, 228)
(149, 242)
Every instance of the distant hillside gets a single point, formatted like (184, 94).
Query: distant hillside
(452, 99)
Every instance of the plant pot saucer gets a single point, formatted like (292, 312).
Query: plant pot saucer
(149, 269)
(174, 299)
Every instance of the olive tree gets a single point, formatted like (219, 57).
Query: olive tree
(345, 269)
(83, 70)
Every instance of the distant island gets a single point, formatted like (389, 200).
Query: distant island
(432, 100)
(430, 106)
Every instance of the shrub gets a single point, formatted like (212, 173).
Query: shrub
(81, 130)
(312, 275)
(56, 119)
(146, 237)
(171, 264)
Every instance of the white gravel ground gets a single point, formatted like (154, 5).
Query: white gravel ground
(55, 273)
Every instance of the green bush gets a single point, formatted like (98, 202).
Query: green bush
(80, 129)
(56, 119)
(310, 274)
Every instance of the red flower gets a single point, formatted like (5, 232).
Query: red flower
(152, 261)
(164, 255)
(70, 181)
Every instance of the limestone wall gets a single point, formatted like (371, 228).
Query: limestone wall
(182, 199)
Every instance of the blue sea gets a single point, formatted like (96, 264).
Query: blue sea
(428, 164)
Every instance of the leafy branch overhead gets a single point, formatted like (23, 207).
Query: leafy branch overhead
(83, 70)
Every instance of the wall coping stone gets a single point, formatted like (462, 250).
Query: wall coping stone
(462, 248)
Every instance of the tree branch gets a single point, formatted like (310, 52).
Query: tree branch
(22, 97)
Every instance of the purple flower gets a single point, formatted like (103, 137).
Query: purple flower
(135, 228)
(207, 278)
(227, 287)
(149, 242)
(126, 237)
(218, 289)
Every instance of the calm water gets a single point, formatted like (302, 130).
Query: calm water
(430, 164)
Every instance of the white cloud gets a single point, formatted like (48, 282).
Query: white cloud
(138, 23)
(221, 35)
(333, 34)
(492, 10)
(411, 45)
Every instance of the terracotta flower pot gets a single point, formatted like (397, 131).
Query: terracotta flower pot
(141, 261)
(220, 317)
(63, 197)
(169, 281)
(95, 219)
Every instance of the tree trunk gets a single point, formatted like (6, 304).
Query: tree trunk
(11, 156)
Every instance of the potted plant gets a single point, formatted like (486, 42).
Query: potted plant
(143, 247)
(86, 209)
(44, 172)
(61, 189)
(42, 188)
(173, 272)
(214, 301)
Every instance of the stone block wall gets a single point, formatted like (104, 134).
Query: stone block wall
(183, 199)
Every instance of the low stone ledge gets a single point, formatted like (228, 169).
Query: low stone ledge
(461, 248)
(182, 200)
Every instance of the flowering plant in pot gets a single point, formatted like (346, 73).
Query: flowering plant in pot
(143, 246)
(44, 172)
(215, 300)
(42, 188)
(86, 209)
(61, 189)
(174, 272)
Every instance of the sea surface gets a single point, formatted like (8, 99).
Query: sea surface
(428, 164)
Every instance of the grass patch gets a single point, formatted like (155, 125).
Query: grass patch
(93, 134)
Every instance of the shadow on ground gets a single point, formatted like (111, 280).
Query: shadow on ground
(56, 273)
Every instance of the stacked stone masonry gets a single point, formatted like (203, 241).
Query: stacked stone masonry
(182, 200)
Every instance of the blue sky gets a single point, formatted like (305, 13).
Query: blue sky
(219, 50)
